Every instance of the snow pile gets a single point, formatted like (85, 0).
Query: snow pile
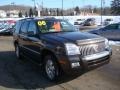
(72, 19)
(116, 43)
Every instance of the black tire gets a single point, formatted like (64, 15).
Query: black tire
(51, 66)
(17, 52)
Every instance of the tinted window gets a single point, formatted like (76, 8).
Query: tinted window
(17, 26)
(118, 26)
(32, 27)
(112, 26)
(24, 27)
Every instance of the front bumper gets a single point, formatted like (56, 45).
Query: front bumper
(76, 62)
(96, 56)
(96, 60)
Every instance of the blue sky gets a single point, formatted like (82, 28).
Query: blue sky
(57, 3)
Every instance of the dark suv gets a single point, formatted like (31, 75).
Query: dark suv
(57, 46)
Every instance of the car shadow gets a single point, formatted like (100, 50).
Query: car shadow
(18, 74)
(7, 35)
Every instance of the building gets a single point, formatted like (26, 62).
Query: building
(2, 13)
(12, 13)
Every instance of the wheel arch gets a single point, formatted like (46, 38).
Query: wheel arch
(45, 52)
(15, 42)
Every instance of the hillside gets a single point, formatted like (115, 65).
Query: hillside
(15, 7)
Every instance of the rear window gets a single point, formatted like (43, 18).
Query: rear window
(109, 20)
(80, 19)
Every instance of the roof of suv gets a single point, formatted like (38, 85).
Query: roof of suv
(49, 18)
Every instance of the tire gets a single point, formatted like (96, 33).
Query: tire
(51, 68)
(17, 51)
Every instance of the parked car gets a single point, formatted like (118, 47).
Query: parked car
(79, 21)
(111, 32)
(7, 29)
(108, 21)
(89, 22)
(57, 47)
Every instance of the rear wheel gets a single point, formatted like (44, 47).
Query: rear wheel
(51, 68)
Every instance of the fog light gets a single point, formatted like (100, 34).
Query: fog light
(76, 64)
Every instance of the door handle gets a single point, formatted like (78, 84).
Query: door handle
(24, 38)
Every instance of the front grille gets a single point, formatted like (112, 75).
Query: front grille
(93, 48)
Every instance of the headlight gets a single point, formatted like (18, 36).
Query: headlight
(72, 49)
(106, 43)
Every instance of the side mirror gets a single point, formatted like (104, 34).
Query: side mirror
(31, 33)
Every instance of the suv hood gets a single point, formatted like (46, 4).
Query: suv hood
(69, 36)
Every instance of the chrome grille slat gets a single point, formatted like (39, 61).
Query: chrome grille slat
(86, 51)
(83, 50)
(89, 49)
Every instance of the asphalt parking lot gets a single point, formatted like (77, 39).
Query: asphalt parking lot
(15, 74)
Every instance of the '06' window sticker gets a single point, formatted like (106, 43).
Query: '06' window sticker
(41, 23)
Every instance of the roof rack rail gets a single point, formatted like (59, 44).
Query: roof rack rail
(49, 18)
(29, 18)
(26, 18)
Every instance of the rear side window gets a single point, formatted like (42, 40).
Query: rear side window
(17, 26)
(32, 27)
(24, 27)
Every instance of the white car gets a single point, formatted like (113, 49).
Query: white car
(79, 21)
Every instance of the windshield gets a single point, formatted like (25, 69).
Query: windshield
(47, 26)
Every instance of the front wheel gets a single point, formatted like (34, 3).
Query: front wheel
(17, 52)
(51, 68)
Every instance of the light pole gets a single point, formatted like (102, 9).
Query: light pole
(83, 1)
(73, 11)
(42, 6)
(34, 2)
(104, 7)
(62, 7)
(101, 11)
